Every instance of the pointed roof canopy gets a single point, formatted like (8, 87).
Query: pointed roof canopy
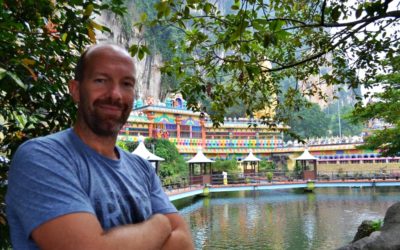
(251, 157)
(305, 156)
(142, 151)
(200, 158)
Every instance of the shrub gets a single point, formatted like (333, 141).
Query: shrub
(270, 175)
(229, 166)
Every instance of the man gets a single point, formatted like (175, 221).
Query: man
(76, 190)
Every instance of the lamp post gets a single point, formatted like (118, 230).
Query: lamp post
(340, 125)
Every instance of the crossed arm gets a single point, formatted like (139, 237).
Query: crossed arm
(83, 231)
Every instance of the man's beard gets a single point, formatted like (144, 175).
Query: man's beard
(105, 125)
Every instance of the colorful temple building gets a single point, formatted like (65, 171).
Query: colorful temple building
(190, 130)
(236, 137)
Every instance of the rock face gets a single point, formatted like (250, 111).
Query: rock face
(364, 230)
(147, 70)
(386, 239)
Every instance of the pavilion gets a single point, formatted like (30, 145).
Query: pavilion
(251, 161)
(143, 152)
(308, 165)
(200, 169)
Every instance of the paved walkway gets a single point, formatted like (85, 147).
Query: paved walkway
(182, 190)
(179, 193)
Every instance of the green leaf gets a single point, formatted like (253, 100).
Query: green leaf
(269, 38)
(335, 14)
(17, 80)
(64, 37)
(145, 49)
(95, 25)
(276, 25)
(21, 119)
(162, 8)
(143, 17)
(141, 53)
(281, 35)
(359, 11)
(88, 10)
(186, 12)
(2, 73)
(207, 8)
(133, 49)
(235, 6)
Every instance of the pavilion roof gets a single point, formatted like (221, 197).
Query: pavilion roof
(143, 152)
(251, 157)
(306, 156)
(200, 158)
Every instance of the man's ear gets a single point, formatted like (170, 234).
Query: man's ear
(73, 87)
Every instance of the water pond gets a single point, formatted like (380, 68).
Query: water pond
(284, 219)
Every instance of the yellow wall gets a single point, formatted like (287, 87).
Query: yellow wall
(361, 167)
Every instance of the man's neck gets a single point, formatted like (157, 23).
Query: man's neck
(104, 145)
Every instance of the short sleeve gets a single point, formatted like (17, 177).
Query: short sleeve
(159, 200)
(43, 185)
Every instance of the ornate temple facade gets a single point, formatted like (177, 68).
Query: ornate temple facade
(236, 137)
(190, 130)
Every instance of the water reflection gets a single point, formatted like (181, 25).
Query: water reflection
(284, 219)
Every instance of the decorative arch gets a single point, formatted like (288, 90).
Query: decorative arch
(164, 119)
(190, 122)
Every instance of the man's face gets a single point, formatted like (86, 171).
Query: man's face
(106, 92)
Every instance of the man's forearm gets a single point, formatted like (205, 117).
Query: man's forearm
(150, 234)
(83, 231)
(178, 240)
(167, 232)
(180, 237)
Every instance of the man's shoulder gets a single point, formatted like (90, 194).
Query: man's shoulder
(136, 160)
(42, 153)
(132, 157)
(51, 141)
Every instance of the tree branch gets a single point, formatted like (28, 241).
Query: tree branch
(395, 14)
(323, 13)
(317, 55)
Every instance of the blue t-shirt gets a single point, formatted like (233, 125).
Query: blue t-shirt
(59, 174)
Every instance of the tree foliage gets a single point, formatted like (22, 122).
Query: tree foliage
(229, 166)
(310, 122)
(39, 46)
(173, 167)
(242, 53)
(340, 121)
(266, 166)
(385, 106)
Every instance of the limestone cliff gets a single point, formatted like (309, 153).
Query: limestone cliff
(148, 69)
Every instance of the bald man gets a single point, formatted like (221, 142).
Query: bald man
(76, 190)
